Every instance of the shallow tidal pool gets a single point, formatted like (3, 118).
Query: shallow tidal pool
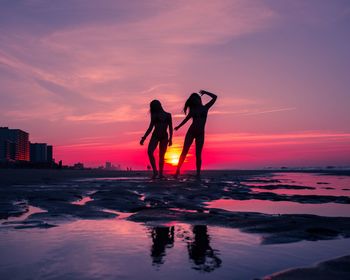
(119, 249)
(320, 184)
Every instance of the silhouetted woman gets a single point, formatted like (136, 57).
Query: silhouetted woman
(160, 121)
(198, 113)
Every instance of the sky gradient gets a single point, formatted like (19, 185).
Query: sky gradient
(80, 75)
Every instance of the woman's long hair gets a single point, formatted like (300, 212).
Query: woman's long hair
(155, 107)
(193, 101)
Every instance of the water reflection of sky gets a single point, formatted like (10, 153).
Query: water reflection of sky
(323, 184)
(318, 181)
(118, 249)
(282, 207)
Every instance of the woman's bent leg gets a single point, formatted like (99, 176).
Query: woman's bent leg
(187, 144)
(163, 144)
(199, 148)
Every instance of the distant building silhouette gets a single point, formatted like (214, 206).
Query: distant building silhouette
(49, 154)
(14, 145)
(108, 165)
(41, 153)
(77, 165)
(16, 150)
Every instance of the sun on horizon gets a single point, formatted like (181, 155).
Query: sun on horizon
(172, 155)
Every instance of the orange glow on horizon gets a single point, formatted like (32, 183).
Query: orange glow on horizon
(221, 150)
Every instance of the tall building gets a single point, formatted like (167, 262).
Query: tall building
(5, 150)
(41, 153)
(38, 152)
(14, 145)
(49, 153)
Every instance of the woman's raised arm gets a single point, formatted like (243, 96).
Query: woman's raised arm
(212, 95)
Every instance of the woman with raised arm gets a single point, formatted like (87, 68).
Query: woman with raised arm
(160, 121)
(198, 113)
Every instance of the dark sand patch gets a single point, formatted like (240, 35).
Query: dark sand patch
(12, 208)
(29, 224)
(338, 268)
(281, 187)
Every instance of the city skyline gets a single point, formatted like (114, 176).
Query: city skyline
(16, 149)
(81, 76)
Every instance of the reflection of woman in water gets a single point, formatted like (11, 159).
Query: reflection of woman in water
(162, 237)
(198, 112)
(200, 251)
(202, 255)
(160, 121)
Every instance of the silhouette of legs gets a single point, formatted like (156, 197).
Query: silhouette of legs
(162, 238)
(151, 148)
(187, 144)
(199, 148)
(163, 144)
(200, 252)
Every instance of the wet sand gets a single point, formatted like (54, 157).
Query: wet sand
(63, 195)
(45, 176)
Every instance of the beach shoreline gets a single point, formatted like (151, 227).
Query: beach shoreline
(12, 176)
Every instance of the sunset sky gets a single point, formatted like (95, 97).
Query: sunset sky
(80, 74)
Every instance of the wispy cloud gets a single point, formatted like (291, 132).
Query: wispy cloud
(92, 64)
(122, 114)
(244, 112)
(269, 111)
(273, 137)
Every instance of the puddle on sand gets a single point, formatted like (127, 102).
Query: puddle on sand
(281, 207)
(83, 201)
(323, 184)
(24, 216)
(318, 181)
(121, 215)
(119, 249)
